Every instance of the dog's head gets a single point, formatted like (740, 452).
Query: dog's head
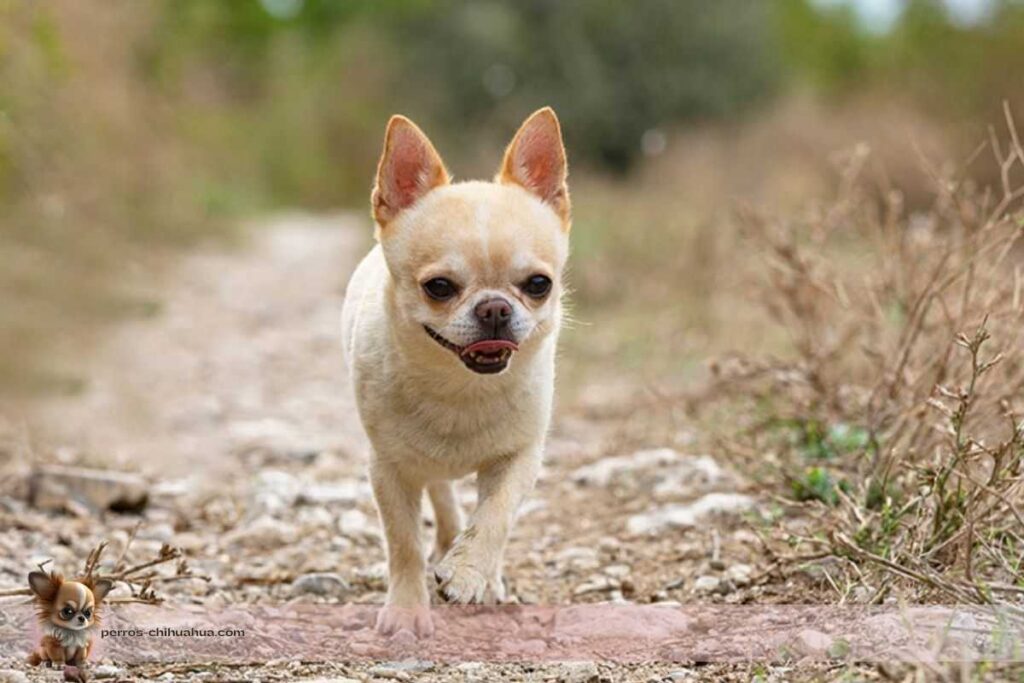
(476, 266)
(72, 605)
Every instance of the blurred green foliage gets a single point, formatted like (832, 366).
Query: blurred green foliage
(927, 55)
(159, 121)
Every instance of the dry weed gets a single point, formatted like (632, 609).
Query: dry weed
(897, 423)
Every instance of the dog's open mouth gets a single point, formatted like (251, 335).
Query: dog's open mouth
(487, 356)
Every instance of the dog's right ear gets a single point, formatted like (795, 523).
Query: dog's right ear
(409, 168)
(43, 585)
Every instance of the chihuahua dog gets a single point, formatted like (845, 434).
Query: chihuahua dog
(450, 326)
(68, 613)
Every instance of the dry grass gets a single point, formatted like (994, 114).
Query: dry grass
(660, 268)
(896, 423)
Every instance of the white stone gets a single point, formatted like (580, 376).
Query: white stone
(683, 516)
(706, 584)
(740, 574)
(602, 472)
(577, 672)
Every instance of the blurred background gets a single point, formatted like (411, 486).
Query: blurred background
(130, 130)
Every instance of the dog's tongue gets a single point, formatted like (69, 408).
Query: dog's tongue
(490, 346)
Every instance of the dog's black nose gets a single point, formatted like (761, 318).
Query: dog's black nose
(81, 619)
(494, 313)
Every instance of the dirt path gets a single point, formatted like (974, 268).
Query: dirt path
(233, 402)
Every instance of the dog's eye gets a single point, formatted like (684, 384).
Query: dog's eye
(440, 289)
(537, 286)
(67, 613)
(87, 613)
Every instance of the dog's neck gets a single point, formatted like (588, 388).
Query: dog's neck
(67, 637)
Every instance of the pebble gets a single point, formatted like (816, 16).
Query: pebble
(679, 675)
(578, 558)
(345, 493)
(374, 575)
(707, 584)
(813, 643)
(276, 489)
(472, 672)
(684, 516)
(597, 584)
(107, 671)
(54, 487)
(577, 672)
(263, 533)
(619, 571)
(355, 524)
(315, 517)
(401, 671)
(325, 584)
(602, 472)
(740, 574)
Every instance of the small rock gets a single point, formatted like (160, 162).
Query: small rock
(156, 532)
(679, 676)
(325, 584)
(684, 516)
(12, 676)
(263, 533)
(598, 584)
(54, 487)
(344, 493)
(692, 474)
(707, 584)
(603, 471)
(374, 575)
(401, 671)
(272, 439)
(276, 490)
(577, 672)
(315, 517)
(472, 672)
(740, 574)
(355, 524)
(813, 643)
(107, 671)
(578, 558)
(861, 594)
(619, 571)
(190, 542)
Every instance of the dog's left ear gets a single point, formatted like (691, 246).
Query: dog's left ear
(535, 160)
(101, 588)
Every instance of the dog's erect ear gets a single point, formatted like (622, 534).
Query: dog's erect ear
(535, 160)
(43, 585)
(101, 588)
(409, 168)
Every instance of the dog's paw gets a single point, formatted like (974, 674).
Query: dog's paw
(392, 620)
(460, 581)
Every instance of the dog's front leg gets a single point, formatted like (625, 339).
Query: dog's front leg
(407, 606)
(471, 571)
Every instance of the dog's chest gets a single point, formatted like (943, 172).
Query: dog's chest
(463, 433)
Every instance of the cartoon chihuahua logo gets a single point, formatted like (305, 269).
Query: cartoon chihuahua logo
(68, 614)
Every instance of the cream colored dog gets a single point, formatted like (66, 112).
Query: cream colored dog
(450, 325)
